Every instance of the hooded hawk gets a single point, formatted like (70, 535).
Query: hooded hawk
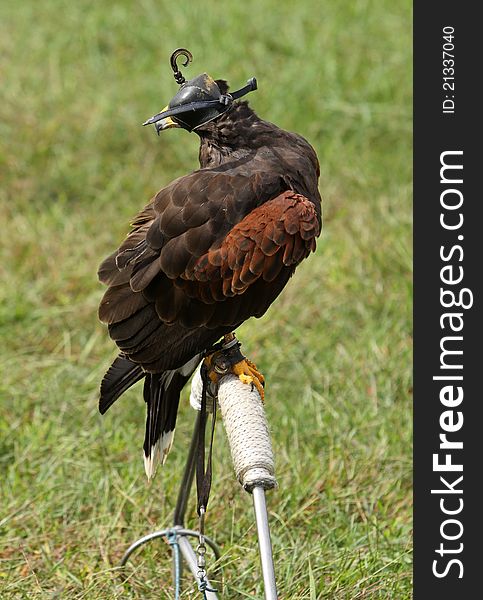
(209, 250)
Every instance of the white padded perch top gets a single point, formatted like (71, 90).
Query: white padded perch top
(246, 428)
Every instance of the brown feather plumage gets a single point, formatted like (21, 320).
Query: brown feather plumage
(216, 246)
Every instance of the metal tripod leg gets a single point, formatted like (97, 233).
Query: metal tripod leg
(179, 514)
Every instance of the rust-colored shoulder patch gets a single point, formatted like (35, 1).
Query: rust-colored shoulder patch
(279, 233)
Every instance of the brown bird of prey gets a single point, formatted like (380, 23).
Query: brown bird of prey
(210, 250)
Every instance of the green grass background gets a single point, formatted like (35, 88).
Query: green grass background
(77, 79)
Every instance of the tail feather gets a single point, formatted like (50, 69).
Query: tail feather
(161, 394)
(122, 374)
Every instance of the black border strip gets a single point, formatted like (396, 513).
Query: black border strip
(435, 412)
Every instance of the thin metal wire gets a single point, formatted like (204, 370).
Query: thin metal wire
(181, 532)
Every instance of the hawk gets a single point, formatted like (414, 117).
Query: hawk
(210, 250)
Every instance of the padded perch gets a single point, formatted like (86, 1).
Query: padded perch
(246, 428)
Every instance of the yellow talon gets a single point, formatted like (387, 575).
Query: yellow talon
(245, 369)
(248, 373)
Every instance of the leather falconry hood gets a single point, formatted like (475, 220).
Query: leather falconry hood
(198, 100)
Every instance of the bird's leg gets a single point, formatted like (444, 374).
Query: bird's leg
(230, 360)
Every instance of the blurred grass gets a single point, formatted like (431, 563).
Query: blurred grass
(75, 166)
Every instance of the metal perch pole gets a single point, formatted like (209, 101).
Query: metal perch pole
(249, 439)
(251, 450)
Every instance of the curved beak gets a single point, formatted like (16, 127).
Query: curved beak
(161, 123)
